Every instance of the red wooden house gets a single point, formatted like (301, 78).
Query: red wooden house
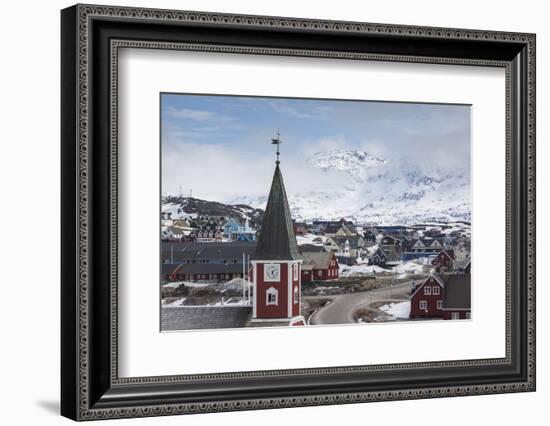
(319, 266)
(427, 298)
(444, 296)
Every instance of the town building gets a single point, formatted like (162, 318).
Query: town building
(349, 245)
(391, 246)
(208, 262)
(208, 228)
(207, 273)
(340, 227)
(444, 261)
(207, 236)
(238, 229)
(457, 297)
(370, 237)
(319, 266)
(176, 233)
(398, 231)
(377, 257)
(445, 296)
(422, 247)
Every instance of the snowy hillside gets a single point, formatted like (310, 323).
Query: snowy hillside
(189, 207)
(382, 192)
(355, 163)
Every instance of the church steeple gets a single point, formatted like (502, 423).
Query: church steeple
(277, 240)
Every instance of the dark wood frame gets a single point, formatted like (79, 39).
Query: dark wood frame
(90, 386)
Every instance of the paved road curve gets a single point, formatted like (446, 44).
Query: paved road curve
(341, 309)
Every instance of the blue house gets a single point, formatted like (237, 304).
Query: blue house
(238, 230)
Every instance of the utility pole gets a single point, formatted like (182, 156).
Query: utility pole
(244, 278)
(248, 280)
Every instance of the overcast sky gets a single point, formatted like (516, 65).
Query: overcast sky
(220, 146)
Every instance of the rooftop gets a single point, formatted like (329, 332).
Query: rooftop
(204, 317)
(277, 240)
(457, 291)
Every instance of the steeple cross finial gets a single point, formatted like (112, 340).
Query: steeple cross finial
(277, 141)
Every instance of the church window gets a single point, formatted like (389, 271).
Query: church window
(272, 296)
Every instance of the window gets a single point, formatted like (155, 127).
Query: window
(423, 304)
(455, 315)
(436, 290)
(296, 295)
(320, 274)
(440, 304)
(427, 291)
(468, 315)
(271, 296)
(295, 271)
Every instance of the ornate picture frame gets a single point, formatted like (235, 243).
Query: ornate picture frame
(91, 37)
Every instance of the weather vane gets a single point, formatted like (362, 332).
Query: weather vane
(277, 142)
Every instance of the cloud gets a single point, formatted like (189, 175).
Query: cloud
(197, 115)
(284, 108)
(305, 111)
(223, 173)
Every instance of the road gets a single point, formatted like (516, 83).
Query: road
(341, 309)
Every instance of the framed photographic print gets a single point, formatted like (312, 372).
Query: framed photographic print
(264, 212)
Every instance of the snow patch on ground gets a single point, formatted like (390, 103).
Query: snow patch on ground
(397, 310)
(176, 211)
(235, 284)
(178, 302)
(411, 267)
(361, 269)
(235, 301)
(402, 269)
(176, 284)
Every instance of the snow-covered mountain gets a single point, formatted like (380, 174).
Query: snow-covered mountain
(375, 190)
(355, 163)
(180, 207)
(368, 189)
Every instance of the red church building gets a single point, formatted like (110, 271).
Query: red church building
(276, 264)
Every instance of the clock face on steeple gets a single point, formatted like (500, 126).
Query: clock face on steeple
(272, 272)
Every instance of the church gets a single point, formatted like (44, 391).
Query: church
(276, 263)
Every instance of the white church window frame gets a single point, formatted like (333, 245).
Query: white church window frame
(272, 291)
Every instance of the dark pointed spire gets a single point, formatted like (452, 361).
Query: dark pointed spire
(277, 240)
